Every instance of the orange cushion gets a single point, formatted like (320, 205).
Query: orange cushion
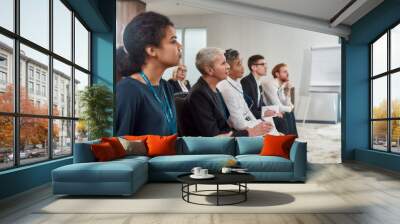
(116, 145)
(161, 145)
(277, 145)
(103, 152)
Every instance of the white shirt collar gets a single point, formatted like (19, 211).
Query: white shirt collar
(234, 82)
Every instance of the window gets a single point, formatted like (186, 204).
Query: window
(30, 72)
(44, 91)
(81, 81)
(192, 40)
(62, 29)
(38, 89)
(3, 61)
(3, 72)
(34, 25)
(45, 129)
(385, 94)
(81, 45)
(3, 78)
(7, 14)
(37, 74)
(62, 75)
(30, 87)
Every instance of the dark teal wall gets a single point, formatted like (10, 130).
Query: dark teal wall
(356, 83)
(103, 47)
(24, 178)
(99, 16)
(103, 50)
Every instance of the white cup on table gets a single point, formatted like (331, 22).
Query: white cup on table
(203, 172)
(196, 171)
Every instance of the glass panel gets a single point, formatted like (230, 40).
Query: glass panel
(62, 29)
(7, 14)
(6, 74)
(379, 135)
(179, 35)
(35, 21)
(81, 81)
(81, 45)
(395, 94)
(379, 55)
(62, 138)
(379, 97)
(33, 139)
(195, 39)
(395, 138)
(395, 47)
(81, 131)
(62, 89)
(34, 97)
(6, 142)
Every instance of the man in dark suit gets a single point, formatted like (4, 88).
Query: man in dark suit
(204, 111)
(252, 88)
(251, 84)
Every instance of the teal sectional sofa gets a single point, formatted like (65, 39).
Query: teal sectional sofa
(125, 176)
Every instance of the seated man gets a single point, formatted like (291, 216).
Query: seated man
(252, 84)
(277, 92)
(241, 117)
(204, 112)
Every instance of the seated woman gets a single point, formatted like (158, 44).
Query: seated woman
(241, 117)
(178, 81)
(204, 111)
(145, 101)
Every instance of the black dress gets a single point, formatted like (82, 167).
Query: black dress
(204, 113)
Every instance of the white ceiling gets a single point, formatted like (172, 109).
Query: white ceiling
(173, 8)
(274, 11)
(320, 9)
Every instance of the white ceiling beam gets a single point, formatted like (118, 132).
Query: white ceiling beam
(347, 12)
(269, 15)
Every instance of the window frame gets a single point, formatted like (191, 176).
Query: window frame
(388, 74)
(15, 72)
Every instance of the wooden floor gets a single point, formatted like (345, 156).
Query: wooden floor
(377, 188)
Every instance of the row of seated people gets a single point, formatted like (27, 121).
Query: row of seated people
(219, 105)
(145, 103)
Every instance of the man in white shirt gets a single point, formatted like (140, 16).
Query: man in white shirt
(277, 92)
(231, 90)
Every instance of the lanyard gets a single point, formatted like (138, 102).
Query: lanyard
(243, 94)
(165, 106)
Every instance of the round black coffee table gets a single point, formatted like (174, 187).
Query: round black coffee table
(238, 179)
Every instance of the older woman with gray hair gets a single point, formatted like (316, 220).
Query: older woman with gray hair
(204, 111)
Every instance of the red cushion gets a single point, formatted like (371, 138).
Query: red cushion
(277, 145)
(116, 145)
(103, 152)
(161, 145)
